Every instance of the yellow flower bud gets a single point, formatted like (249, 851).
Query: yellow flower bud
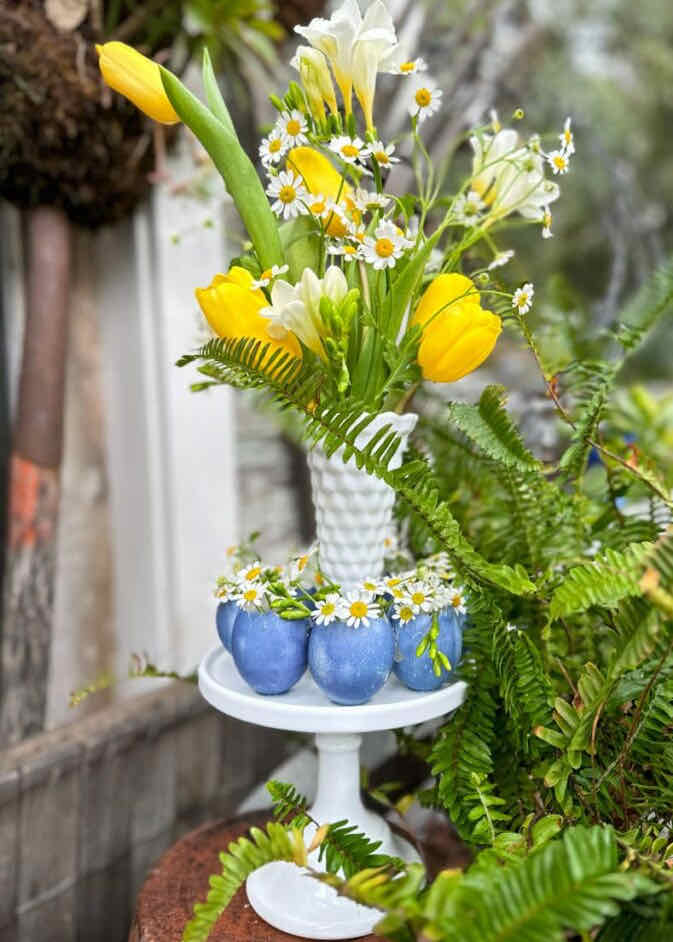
(137, 78)
(458, 335)
(320, 176)
(232, 308)
(317, 81)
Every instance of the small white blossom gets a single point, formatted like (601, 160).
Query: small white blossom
(272, 149)
(403, 612)
(327, 611)
(292, 128)
(457, 600)
(468, 207)
(297, 566)
(268, 275)
(369, 199)
(357, 608)
(425, 99)
(420, 596)
(510, 627)
(350, 150)
(567, 139)
(289, 195)
(387, 245)
(251, 596)
(502, 258)
(410, 67)
(522, 299)
(546, 224)
(249, 574)
(559, 161)
(382, 153)
(349, 252)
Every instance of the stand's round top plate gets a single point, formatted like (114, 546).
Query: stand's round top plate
(306, 709)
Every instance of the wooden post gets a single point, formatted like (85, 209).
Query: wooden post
(34, 479)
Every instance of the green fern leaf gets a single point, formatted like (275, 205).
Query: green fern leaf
(490, 428)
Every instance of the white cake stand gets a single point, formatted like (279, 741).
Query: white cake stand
(279, 892)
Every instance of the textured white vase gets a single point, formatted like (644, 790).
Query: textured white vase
(353, 508)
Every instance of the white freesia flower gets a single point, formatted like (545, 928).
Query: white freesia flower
(296, 308)
(355, 47)
(314, 72)
(509, 177)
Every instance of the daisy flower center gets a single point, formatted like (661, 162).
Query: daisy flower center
(456, 601)
(406, 614)
(301, 563)
(318, 207)
(349, 150)
(522, 300)
(293, 127)
(407, 67)
(275, 145)
(250, 595)
(287, 194)
(350, 250)
(253, 573)
(384, 248)
(418, 598)
(560, 161)
(369, 586)
(423, 97)
(327, 608)
(266, 275)
(380, 156)
(358, 609)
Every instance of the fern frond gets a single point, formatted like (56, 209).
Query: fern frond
(489, 426)
(287, 801)
(345, 848)
(243, 857)
(652, 302)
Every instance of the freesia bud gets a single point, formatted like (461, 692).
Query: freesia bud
(137, 78)
(458, 335)
(232, 308)
(316, 79)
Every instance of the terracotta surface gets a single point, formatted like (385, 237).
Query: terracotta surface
(181, 877)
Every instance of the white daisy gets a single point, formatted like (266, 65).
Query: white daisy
(411, 67)
(403, 612)
(370, 585)
(425, 99)
(502, 258)
(420, 596)
(559, 161)
(567, 139)
(327, 611)
(292, 128)
(522, 299)
(349, 252)
(382, 153)
(272, 149)
(289, 195)
(457, 600)
(387, 245)
(357, 608)
(468, 207)
(349, 149)
(318, 205)
(268, 275)
(251, 597)
(249, 574)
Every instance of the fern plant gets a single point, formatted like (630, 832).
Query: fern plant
(557, 768)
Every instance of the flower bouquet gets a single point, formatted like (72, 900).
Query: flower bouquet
(347, 296)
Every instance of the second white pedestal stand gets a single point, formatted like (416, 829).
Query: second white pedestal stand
(280, 892)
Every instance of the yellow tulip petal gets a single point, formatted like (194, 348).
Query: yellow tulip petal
(442, 291)
(137, 78)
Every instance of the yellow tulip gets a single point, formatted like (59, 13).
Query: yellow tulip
(232, 308)
(137, 78)
(321, 177)
(458, 335)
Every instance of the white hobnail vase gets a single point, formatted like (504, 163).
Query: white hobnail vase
(353, 508)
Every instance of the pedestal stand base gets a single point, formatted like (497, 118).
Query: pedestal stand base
(290, 900)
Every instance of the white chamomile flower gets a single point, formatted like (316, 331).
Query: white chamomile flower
(567, 139)
(349, 149)
(289, 195)
(357, 608)
(383, 153)
(468, 207)
(522, 299)
(425, 99)
(349, 252)
(456, 600)
(249, 574)
(268, 275)
(370, 585)
(559, 161)
(272, 149)
(403, 612)
(292, 128)
(420, 597)
(510, 627)
(502, 258)
(298, 565)
(387, 245)
(411, 67)
(369, 199)
(327, 610)
(546, 223)
(251, 596)
(318, 205)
